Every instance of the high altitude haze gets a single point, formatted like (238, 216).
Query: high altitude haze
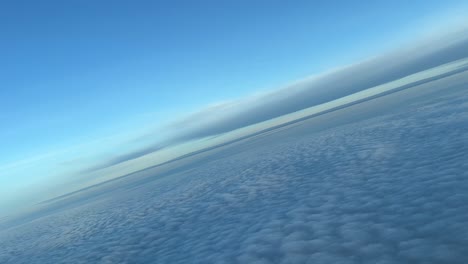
(87, 85)
(379, 176)
(289, 132)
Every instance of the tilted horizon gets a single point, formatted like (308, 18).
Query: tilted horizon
(243, 132)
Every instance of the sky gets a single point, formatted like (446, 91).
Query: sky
(85, 84)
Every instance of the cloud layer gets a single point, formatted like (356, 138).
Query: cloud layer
(387, 188)
(228, 116)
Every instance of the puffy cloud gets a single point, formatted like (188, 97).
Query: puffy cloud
(385, 188)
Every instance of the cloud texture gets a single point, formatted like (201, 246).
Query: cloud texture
(387, 188)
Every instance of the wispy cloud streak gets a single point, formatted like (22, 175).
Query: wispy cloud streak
(231, 115)
(321, 89)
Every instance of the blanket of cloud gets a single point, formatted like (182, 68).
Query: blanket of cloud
(383, 181)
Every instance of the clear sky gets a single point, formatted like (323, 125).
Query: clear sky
(88, 80)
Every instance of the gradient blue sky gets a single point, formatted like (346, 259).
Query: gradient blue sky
(86, 80)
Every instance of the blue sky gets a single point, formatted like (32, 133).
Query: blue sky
(84, 81)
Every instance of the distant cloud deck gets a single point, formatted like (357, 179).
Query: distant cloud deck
(383, 181)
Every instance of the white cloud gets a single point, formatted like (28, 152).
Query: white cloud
(318, 192)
